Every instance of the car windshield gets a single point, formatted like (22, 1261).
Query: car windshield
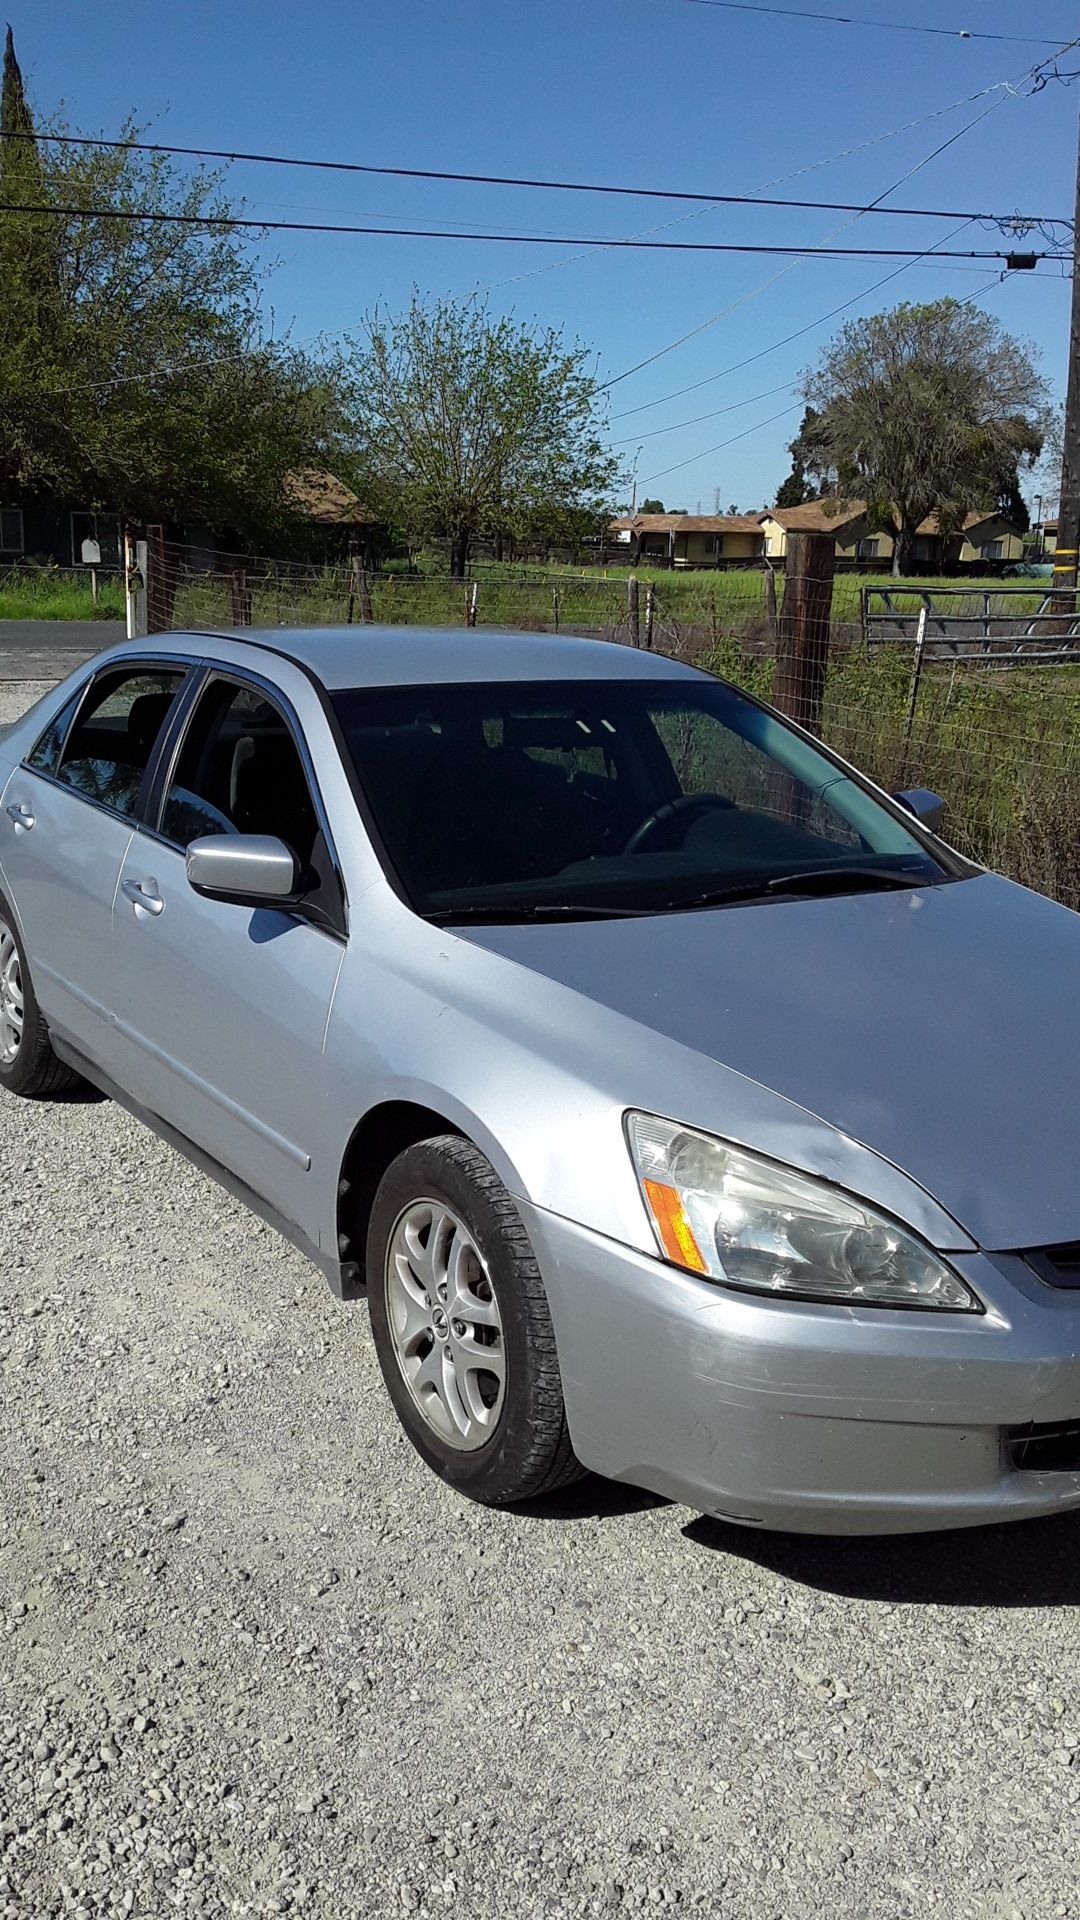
(638, 795)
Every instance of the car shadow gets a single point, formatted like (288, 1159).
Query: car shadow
(81, 1095)
(1029, 1563)
(589, 1499)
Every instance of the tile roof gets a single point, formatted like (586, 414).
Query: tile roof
(688, 523)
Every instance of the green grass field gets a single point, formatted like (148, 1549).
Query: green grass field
(47, 593)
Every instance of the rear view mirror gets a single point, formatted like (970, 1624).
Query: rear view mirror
(927, 807)
(249, 869)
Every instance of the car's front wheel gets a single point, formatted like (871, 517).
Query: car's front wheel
(28, 1064)
(462, 1326)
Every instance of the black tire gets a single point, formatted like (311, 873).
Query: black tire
(35, 1072)
(529, 1452)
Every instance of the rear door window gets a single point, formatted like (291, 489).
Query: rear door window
(108, 749)
(45, 757)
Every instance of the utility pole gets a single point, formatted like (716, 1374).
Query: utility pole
(1068, 533)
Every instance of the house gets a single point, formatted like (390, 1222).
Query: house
(690, 539)
(985, 543)
(44, 533)
(845, 519)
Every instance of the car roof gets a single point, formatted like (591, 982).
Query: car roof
(417, 656)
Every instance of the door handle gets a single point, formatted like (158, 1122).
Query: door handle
(21, 816)
(143, 896)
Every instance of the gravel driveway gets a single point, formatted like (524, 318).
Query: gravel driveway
(256, 1660)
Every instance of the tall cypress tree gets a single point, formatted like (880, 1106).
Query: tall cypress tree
(31, 334)
(21, 177)
(15, 116)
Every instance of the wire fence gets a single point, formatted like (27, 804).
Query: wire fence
(985, 710)
(980, 700)
(689, 613)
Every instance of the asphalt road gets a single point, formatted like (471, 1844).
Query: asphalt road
(48, 649)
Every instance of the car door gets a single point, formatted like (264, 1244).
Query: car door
(223, 1008)
(67, 818)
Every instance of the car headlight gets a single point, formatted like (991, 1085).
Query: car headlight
(732, 1216)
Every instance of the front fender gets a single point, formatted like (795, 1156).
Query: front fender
(540, 1078)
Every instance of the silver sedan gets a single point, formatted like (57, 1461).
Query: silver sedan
(684, 1107)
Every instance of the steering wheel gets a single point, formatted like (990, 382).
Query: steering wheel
(686, 803)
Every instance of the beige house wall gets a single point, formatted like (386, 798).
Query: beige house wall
(1012, 546)
(847, 539)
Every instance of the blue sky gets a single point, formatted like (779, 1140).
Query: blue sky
(637, 92)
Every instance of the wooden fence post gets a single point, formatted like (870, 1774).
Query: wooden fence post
(555, 608)
(803, 649)
(650, 614)
(770, 603)
(359, 595)
(160, 583)
(633, 616)
(471, 599)
(240, 594)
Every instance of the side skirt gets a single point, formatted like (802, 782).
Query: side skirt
(342, 1276)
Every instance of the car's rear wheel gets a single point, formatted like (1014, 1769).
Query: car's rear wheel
(28, 1064)
(462, 1326)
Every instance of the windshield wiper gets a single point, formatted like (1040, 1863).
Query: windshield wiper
(808, 880)
(533, 910)
(811, 881)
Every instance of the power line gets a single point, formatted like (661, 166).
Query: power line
(763, 352)
(661, 352)
(1003, 88)
(635, 439)
(763, 187)
(502, 239)
(706, 451)
(786, 386)
(891, 26)
(799, 333)
(510, 180)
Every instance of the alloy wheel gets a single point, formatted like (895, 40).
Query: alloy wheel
(445, 1324)
(11, 998)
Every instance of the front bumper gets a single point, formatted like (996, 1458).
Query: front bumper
(807, 1418)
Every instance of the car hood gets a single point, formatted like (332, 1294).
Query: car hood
(939, 1026)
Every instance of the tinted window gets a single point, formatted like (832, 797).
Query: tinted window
(622, 793)
(108, 749)
(46, 755)
(240, 771)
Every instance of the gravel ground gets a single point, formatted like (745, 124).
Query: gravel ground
(256, 1660)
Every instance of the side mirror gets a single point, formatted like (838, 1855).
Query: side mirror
(928, 808)
(248, 869)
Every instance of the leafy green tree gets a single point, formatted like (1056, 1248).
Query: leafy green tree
(797, 490)
(927, 409)
(472, 427)
(135, 375)
(651, 506)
